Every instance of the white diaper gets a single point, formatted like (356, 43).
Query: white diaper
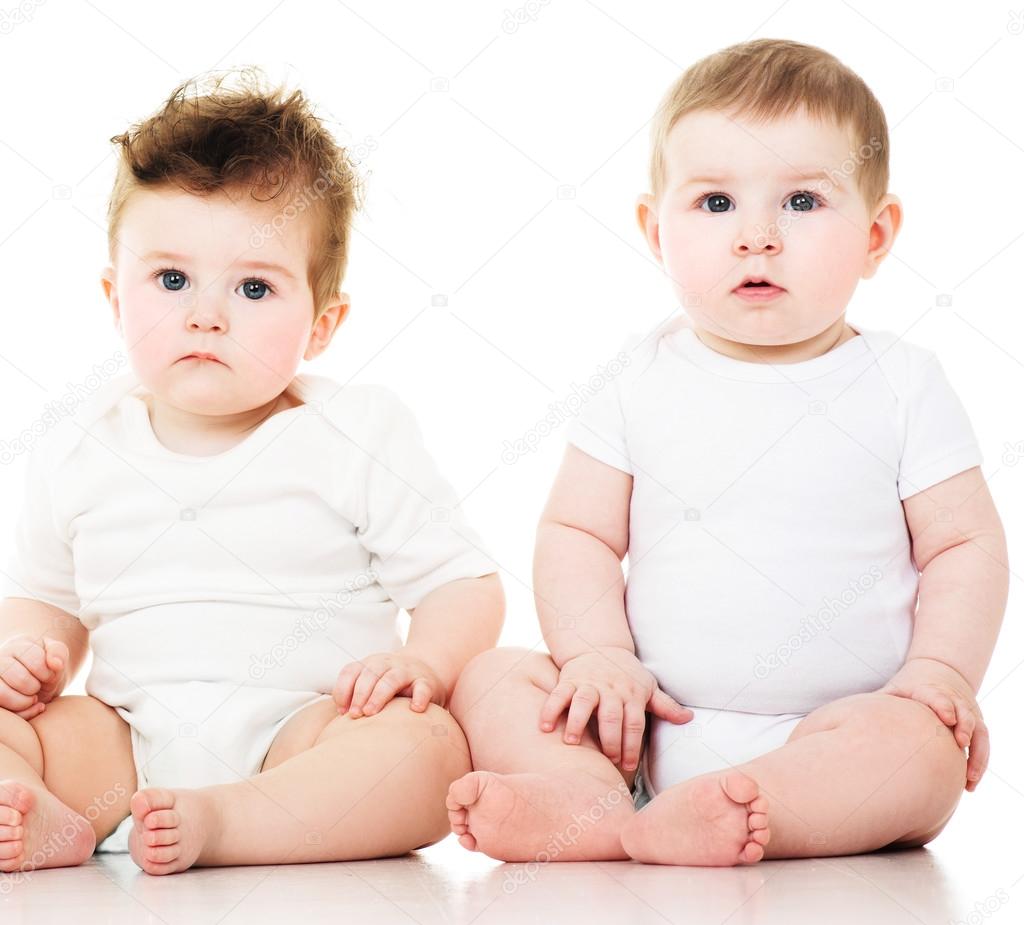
(201, 733)
(711, 741)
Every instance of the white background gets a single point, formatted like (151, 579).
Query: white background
(502, 166)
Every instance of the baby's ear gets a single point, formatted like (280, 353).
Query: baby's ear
(108, 281)
(326, 324)
(888, 219)
(647, 219)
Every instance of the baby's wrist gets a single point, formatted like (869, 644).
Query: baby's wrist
(939, 666)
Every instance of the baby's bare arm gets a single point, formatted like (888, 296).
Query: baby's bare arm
(960, 549)
(455, 622)
(582, 538)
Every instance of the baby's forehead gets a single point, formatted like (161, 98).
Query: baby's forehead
(224, 219)
(710, 142)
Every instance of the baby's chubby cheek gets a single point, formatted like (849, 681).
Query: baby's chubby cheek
(277, 351)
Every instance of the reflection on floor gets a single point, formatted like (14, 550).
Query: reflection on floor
(972, 874)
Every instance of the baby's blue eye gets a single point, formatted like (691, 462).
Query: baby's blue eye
(717, 202)
(254, 289)
(805, 200)
(173, 280)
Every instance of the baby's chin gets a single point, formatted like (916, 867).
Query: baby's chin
(207, 398)
(765, 329)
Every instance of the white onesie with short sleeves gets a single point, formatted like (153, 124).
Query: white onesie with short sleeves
(224, 593)
(769, 564)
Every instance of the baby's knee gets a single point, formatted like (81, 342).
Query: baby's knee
(496, 671)
(923, 734)
(435, 731)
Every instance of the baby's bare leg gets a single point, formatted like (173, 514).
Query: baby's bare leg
(66, 777)
(332, 789)
(532, 797)
(861, 773)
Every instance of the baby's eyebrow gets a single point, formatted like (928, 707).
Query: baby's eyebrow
(153, 256)
(805, 174)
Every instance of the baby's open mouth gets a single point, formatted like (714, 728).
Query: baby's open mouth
(758, 288)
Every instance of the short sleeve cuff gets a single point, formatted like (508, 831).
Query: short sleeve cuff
(469, 564)
(949, 465)
(600, 447)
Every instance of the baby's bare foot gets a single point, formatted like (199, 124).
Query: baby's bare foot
(710, 821)
(38, 830)
(171, 829)
(548, 817)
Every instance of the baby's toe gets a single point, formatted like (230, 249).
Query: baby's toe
(163, 855)
(757, 821)
(761, 836)
(154, 838)
(740, 788)
(758, 805)
(163, 819)
(9, 850)
(751, 853)
(465, 791)
(458, 823)
(17, 796)
(468, 842)
(144, 802)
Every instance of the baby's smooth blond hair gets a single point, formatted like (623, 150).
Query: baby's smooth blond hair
(767, 79)
(231, 131)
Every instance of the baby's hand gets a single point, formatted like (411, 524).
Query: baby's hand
(364, 687)
(32, 673)
(612, 681)
(951, 698)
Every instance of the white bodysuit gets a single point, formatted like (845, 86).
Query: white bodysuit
(769, 564)
(224, 593)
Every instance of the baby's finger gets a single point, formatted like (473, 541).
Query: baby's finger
(940, 705)
(665, 707)
(632, 733)
(966, 721)
(343, 686)
(609, 727)
(33, 711)
(390, 683)
(422, 693)
(57, 654)
(18, 678)
(584, 702)
(364, 686)
(556, 704)
(32, 655)
(15, 701)
(977, 760)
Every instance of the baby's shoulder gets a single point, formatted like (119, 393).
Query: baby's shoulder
(360, 409)
(77, 415)
(899, 361)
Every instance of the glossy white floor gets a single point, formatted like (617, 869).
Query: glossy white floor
(973, 873)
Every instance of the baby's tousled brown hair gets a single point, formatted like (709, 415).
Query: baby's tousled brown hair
(772, 78)
(231, 132)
